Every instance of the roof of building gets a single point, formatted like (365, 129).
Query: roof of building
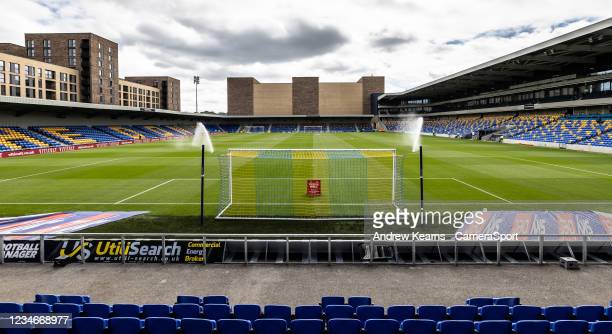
(585, 50)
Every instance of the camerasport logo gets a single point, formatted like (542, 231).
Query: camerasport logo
(21, 250)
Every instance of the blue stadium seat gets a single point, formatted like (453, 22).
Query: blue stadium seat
(216, 311)
(331, 300)
(570, 327)
(10, 308)
(186, 310)
(418, 326)
(479, 301)
(161, 325)
(381, 326)
(525, 312)
(343, 326)
(401, 312)
(249, 312)
(432, 312)
(188, 300)
(307, 326)
(494, 312)
(278, 312)
(308, 312)
(554, 313)
(589, 313)
(215, 299)
(49, 299)
(88, 325)
(74, 299)
(493, 327)
(463, 312)
(356, 301)
(270, 326)
(601, 327)
(124, 325)
(156, 310)
(608, 313)
(508, 301)
(338, 311)
(36, 308)
(455, 327)
(197, 326)
(366, 312)
(74, 309)
(97, 310)
(126, 310)
(233, 326)
(531, 327)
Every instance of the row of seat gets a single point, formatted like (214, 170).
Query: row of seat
(252, 312)
(16, 138)
(161, 325)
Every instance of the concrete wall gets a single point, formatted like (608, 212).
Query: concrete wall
(340, 99)
(272, 99)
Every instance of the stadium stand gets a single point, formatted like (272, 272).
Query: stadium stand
(75, 135)
(230, 128)
(570, 131)
(15, 138)
(284, 128)
(344, 127)
(355, 315)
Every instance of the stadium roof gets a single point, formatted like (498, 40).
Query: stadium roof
(585, 50)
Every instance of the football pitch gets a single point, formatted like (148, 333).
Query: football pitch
(163, 178)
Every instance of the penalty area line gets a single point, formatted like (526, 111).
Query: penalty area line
(144, 191)
(482, 190)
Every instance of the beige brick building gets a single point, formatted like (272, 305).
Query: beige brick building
(24, 77)
(138, 95)
(304, 96)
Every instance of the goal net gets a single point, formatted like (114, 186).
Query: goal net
(256, 129)
(313, 128)
(308, 184)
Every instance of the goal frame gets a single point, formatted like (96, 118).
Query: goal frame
(319, 127)
(251, 127)
(394, 200)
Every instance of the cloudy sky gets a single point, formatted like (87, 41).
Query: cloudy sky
(409, 42)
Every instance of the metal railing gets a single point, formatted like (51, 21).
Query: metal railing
(345, 248)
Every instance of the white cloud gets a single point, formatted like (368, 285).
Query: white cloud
(273, 40)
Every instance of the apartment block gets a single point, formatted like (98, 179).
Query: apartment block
(24, 77)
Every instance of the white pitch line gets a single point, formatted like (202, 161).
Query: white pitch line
(215, 203)
(144, 191)
(59, 170)
(560, 166)
(484, 191)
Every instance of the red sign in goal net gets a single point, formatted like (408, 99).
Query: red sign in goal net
(313, 188)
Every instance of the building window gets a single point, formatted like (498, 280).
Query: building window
(72, 43)
(2, 80)
(15, 80)
(46, 43)
(49, 74)
(14, 68)
(15, 91)
(605, 86)
(1, 65)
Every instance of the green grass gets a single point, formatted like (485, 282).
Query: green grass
(459, 175)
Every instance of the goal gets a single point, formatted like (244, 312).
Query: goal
(307, 184)
(256, 129)
(313, 128)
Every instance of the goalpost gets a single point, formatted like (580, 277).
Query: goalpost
(313, 128)
(308, 184)
(256, 129)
